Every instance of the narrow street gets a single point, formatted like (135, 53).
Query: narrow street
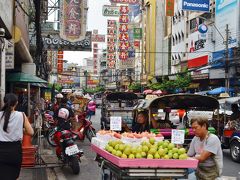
(91, 171)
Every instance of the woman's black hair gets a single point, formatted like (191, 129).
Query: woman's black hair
(10, 100)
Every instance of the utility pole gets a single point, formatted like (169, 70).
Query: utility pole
(142, 45)
(226, 61)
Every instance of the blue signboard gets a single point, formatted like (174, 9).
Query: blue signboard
(195, 5)
(218, 58)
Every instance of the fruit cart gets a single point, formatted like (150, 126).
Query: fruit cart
(140, 157)
(177, 109)
(117, 168)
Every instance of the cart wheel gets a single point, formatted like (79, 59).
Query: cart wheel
(113, 176)
(235, 151)
(105, 175)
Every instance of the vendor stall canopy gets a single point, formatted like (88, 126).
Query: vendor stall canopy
(24, 78)
(185, 101)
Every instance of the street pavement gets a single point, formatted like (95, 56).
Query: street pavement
(89, 169)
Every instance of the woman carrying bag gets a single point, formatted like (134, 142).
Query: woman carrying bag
(12, 126)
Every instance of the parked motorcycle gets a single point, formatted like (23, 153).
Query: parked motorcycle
(48, 120)
(86, 128)
(67, 151)
(50, 127)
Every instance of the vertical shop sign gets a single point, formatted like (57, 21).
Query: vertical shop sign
(73, 20)
(95, 57)
(137, 33)
(169, 7)
(60, 62)
(9, 64)
(111, 45)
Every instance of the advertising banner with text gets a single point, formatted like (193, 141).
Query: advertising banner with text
(73, 20)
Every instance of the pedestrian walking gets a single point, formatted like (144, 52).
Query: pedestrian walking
(12, 126)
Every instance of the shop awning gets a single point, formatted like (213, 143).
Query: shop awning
(24, 78)
(42, 85)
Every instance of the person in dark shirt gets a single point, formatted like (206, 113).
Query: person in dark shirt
(236, 113)
(140, 125)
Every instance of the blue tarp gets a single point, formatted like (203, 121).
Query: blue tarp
(219, 90)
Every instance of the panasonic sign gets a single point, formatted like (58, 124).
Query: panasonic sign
(195, 5)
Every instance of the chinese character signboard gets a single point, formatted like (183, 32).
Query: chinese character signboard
(137, 44)
(124, 10)
(123, 33)
(111, 23)
(60, 62)
(111, 45)
(123, 27)
(123, 56)
(170, 8)
(137, 33)
(95, 57)
(98, 38)
(73, 20)
(123, 19)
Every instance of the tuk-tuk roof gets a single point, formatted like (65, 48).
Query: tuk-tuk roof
(185, 101)
(121, 95)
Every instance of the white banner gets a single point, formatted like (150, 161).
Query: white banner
(9, 62)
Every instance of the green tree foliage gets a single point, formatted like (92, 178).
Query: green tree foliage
(58, 87)
(135, 86)
(181, 82)
(94, 90)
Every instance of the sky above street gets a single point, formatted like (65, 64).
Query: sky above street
(95, 21)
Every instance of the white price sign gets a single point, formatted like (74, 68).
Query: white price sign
(115, 123)
(178, 136)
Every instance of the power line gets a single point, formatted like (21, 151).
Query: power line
(20, 5)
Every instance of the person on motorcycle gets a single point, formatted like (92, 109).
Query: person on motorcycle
(59, 98)
(63, 115)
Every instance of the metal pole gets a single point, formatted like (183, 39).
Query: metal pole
(227, 62)
(29, 104)
(142, 45)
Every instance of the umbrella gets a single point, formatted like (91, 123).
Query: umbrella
(219, 91)
(157, 92)
(148, 91)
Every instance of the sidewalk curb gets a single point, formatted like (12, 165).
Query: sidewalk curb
(50, 174)
(59, 174)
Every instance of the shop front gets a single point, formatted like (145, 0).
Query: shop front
(27, 87)
(199, 72)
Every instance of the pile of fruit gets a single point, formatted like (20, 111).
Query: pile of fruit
(148, 149)
(129, 134)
